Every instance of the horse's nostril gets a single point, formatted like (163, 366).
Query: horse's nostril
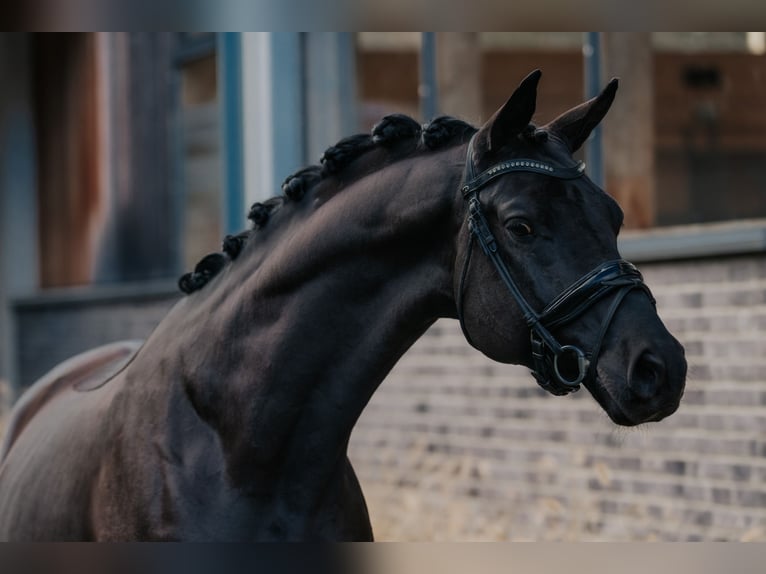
(647, 375)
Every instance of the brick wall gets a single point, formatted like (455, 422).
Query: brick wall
(454, 446)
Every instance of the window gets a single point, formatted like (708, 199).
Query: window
(710, 125)
(705, 104)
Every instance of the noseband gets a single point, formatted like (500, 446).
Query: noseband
(559, 369)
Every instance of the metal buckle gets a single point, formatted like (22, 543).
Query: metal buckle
(551, 379)
(478, 226)
(582, 365)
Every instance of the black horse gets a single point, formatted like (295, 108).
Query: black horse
(232, 421)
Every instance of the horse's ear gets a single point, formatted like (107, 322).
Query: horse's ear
(575, 126)
(513, 117)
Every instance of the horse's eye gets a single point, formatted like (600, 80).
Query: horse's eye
(520, 228)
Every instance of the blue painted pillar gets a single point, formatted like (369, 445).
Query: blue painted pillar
(18, 193)
(287, 98)
(330, 90)
(230, 85)
(299, 98)
(592, 68)
(273, 103)
(427, 90)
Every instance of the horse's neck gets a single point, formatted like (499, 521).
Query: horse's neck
(297, 346)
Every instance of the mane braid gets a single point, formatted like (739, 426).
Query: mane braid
(205, 270)
(296, 185)
(232, 244)
(336, 157)
(445, 130)
(392, 130)
(260, 212)
(395, 128)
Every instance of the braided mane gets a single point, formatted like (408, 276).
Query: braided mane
(390, 135)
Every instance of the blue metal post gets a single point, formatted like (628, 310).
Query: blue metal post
(427, 90)
(287, 93)
(230, 84)
(593, 147)
(330, 87)
(19, 251)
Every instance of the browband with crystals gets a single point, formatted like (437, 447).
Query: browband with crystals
(475, 182)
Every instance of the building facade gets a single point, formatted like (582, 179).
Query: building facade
(126, 157)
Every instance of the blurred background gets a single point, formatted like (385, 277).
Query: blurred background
(125, 158)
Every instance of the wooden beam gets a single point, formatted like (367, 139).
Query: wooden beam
(629, 127)
(458, 56)
(68, 156)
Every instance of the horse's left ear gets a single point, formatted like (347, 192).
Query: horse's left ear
(513, 117)
(575, 126)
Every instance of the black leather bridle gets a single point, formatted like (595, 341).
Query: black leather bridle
(559, 369)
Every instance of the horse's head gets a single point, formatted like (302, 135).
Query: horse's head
(539, 280)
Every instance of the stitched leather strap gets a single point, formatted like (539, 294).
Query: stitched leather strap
(618, 277)
(473, 182)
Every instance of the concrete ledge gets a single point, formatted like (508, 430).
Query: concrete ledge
(98, 294)
(659, 244)
(694, 241)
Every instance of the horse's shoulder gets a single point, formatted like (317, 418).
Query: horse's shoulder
(83, 372)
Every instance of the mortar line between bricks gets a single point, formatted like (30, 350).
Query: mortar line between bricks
(734, 410)
(720, 337)
(727, 362)
(710, 311)
(505, 414)
(566, 493)
(399, 422)
(678, 503)
(498, 443)
(570, 496)
(565, 450)
(646, 499)
(574, 466)
(626, 477)
(471, 392)
(696, 286)
(668, 479)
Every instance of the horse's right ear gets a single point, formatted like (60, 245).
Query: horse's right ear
(514, 116)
